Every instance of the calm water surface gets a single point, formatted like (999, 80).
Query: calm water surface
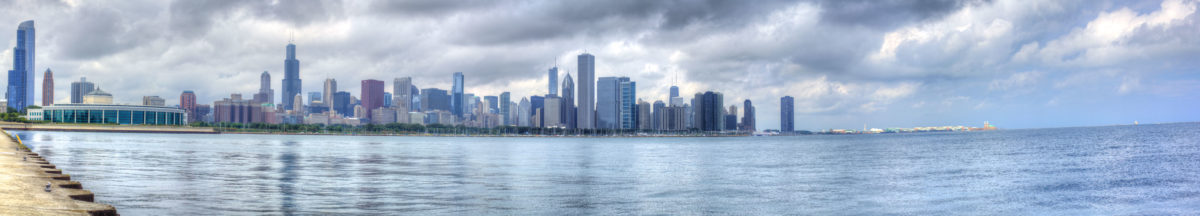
(1146, 169)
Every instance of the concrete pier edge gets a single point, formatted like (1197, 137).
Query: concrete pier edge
(62, 182)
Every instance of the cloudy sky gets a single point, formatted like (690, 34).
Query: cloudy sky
(1018, 64)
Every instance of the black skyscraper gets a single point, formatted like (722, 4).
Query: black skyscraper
(786, 117)
(291, 78)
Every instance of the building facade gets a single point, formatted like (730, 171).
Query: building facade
(343, 104)
(435, 99)
(628, 113)
(748, 119)
(291, 79)
(187, 102)
(329, 90)
(153, 101)
(109, 114)
(505, 108)
(98, 97)
(237, 110)
(372, 95)
(787, 119)
(644, 119)
(586, 95)
(20, 78)
(709, 112)
(608, 103)
(457, 101)
(265, 93)
(48, 88)
(568, 98)
(553, 80)
(78, 89)
(552, 112)
(402, 91)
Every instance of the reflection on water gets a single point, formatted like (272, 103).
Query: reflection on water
(1147, 169)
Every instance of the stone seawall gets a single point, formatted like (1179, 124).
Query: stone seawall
(30, 185)
(106, 128)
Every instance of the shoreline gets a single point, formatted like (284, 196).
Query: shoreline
(106, 128)
(25, 194)
(447, 135)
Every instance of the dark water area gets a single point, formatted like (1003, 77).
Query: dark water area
(1111, 170)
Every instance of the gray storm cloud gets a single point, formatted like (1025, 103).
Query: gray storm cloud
(885, 63)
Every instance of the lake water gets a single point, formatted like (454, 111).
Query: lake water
(1146, 169)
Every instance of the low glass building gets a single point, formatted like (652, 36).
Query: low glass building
(109, 114)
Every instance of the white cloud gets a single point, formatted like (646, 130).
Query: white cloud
(1022, 80)
(1106, 39)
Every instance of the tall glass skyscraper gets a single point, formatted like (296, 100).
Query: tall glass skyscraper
(291, 78)
(553, 75)
(78, 89)
(330, 90)
(457, 102)
(628, 98)
(586, 92)
(748, 122)
(787, 119)
(568, 99)
(402, 88)
(608, 103)
(20, 78)
(505, 108)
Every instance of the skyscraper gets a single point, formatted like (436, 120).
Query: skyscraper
(187, 101)
(291, 78)
(435, 99)
(493, 104)
(505, 108)
(457, 102)
(568, 98)
(402, 91)
(81, 88)
(20, 78)
(659, 115)
(330, 90)
(710, 115)
(787, 119)
(387, 99)
(264, 89)
(644, 118)
(587, 92)
(674, 91)
(48, 88)
(731, 122)
(342, 104)
(553, 75)
(552, 109)
(628, 97)
(748, 122)
(523, 111)
(608, 103)
(372, 95)
(536, 104)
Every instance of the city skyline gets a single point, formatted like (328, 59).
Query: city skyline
(1030, 76)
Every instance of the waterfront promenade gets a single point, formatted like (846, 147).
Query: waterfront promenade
(23, 179)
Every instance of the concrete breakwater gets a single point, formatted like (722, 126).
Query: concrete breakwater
(30, 185)
(106, 128)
